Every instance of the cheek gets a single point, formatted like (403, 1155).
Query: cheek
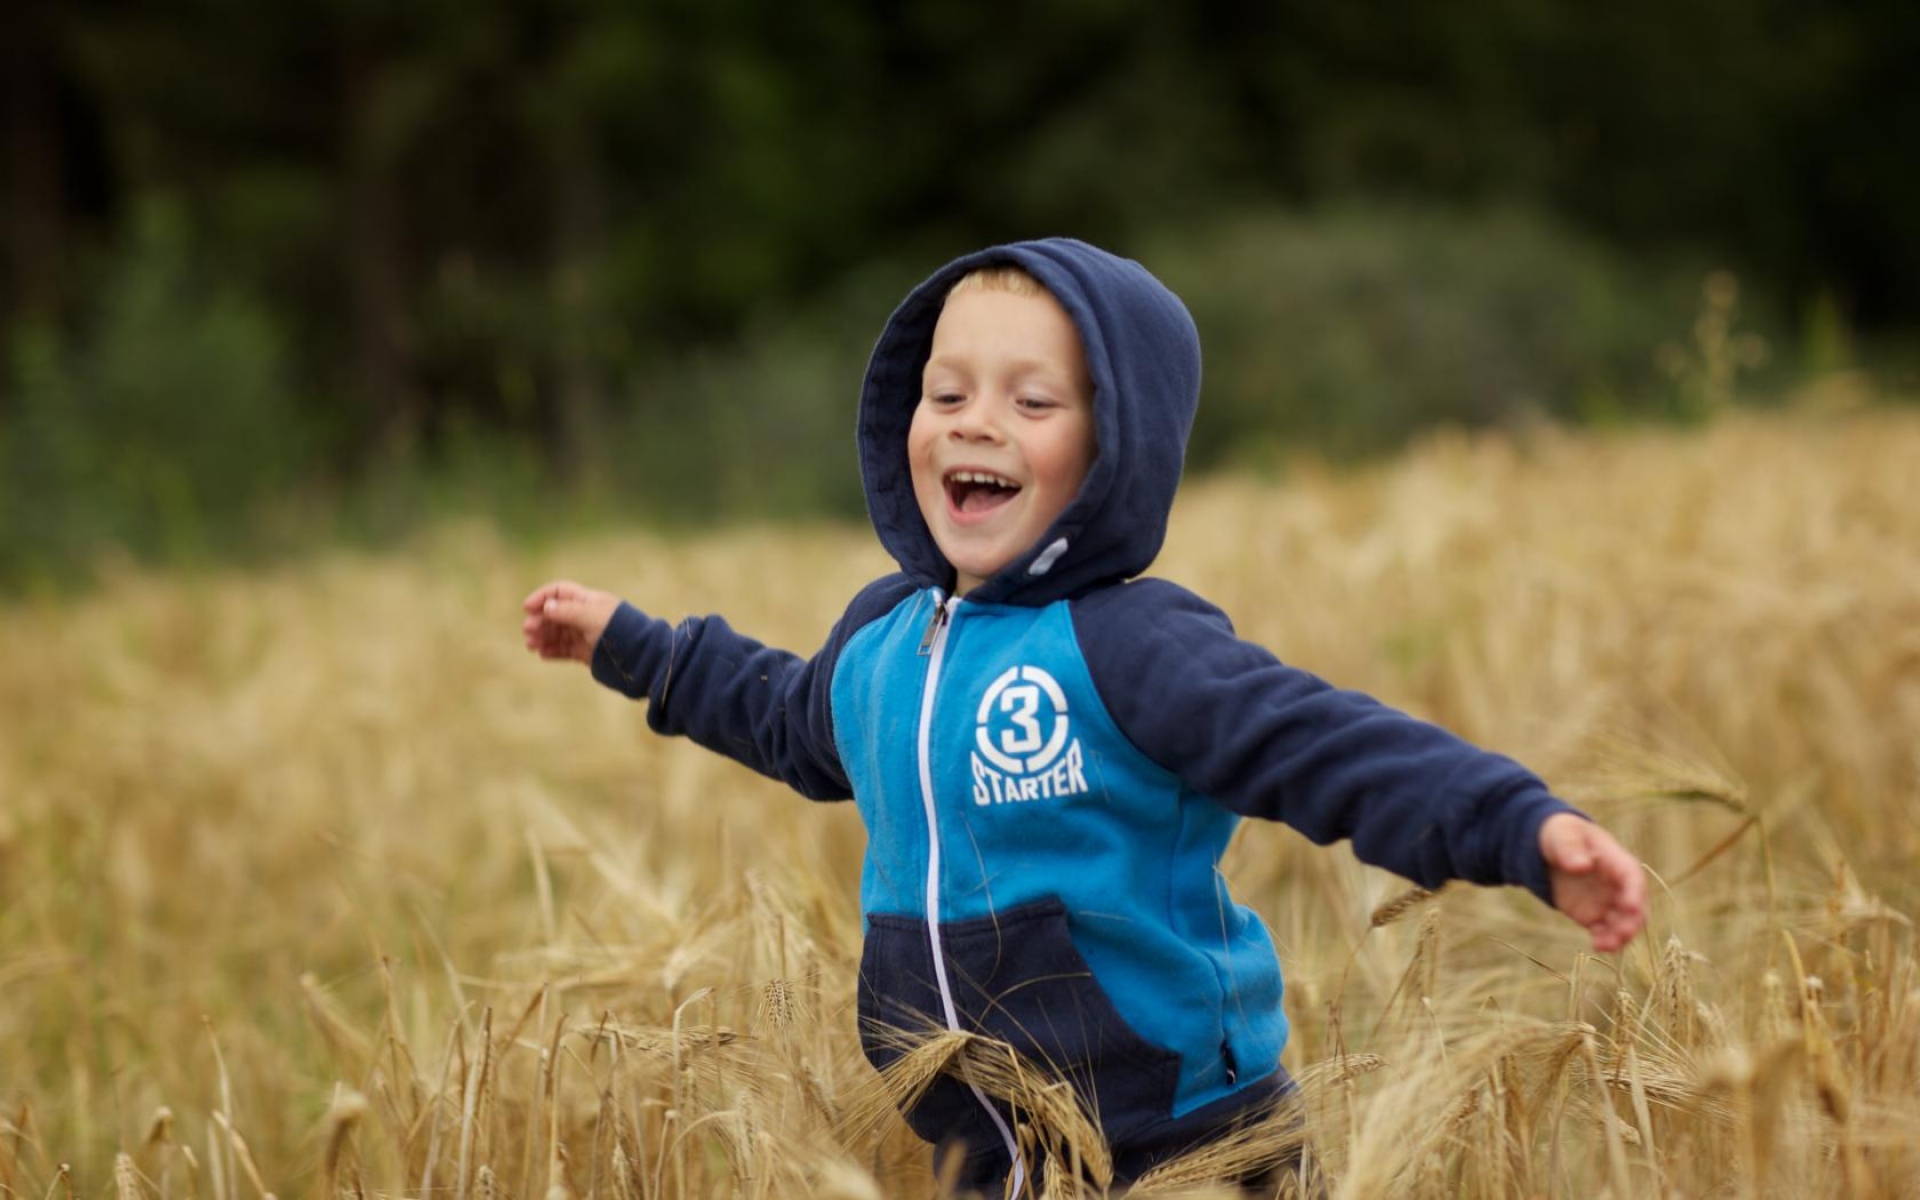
(920, 452)
(1065, 459)
(920, 433)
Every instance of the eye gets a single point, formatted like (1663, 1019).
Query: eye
(943, 399)
(1036, 404)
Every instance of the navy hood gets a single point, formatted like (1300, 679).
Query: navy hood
(1143, 355)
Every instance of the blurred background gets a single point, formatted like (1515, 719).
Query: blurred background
(278, 274)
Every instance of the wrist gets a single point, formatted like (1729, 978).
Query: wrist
(629, 650)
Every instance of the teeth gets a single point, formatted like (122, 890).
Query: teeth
(982, 477)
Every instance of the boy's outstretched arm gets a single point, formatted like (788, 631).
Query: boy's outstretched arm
(1595, 881)
(763, 707)
(565, 620)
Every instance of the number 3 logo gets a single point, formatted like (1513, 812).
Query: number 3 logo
(1036, 709)
(1020, 702)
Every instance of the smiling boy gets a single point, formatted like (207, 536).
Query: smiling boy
(1050, 754)
(1003, 433)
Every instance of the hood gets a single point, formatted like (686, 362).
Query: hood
(1143, 355)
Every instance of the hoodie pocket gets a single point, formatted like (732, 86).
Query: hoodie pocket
(1019, 978)
(899, 1006)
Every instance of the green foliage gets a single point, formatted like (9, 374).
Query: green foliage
(1706, 366)
(167, 422)
(1351, 329)
(763, 429)
(503, 244)
(1346, 331)
(157, 426)
(408, 187)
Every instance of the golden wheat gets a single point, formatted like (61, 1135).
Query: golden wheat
(312, 882)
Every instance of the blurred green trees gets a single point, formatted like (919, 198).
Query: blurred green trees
(161, 421)
(1351, 329)
(637, 251)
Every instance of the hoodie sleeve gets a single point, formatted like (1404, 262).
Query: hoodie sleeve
(1268, 740)
(765, 708)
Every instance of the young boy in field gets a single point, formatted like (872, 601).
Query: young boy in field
(1049, 753)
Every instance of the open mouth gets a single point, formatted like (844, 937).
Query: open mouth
(978, 491)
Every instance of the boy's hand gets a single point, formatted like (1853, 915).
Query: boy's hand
(565, 620)
(1595, 880)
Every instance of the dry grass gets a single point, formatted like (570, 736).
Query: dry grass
(311, 883)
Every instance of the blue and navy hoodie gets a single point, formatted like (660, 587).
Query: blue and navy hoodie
(1050, 767)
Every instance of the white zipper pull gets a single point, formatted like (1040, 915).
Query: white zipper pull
(933, 625)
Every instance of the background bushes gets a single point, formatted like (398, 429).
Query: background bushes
(170, 420)
(160, 424)
(347, 264)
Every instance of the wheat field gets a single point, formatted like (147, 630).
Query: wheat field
(313, 883)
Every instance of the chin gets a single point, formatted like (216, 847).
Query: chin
(976, 568)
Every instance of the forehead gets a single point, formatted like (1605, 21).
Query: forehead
(982, 327)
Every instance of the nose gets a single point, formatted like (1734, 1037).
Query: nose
(976, 421)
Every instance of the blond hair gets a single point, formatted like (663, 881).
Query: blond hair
(1000, 277)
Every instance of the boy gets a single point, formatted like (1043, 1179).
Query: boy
(1051, 755)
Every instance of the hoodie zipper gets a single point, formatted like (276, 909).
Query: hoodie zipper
(935, 625)
(933, 646)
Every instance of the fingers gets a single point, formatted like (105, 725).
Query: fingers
(1619, 871)
(557, 589)
(1595, 909)
(1568, 842)
(1617, 928)
(1596, 881)
(568, 604)
(538, 629)
(557, 642)
(1613, 925)
(541, 636)
(550, 603)
(1632, 886)
(572, 622)
(564, 620)
(1619, 890)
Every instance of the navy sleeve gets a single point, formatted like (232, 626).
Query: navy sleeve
(768, 709)
(1269, 740)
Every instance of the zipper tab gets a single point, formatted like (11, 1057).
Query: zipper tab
(933, 625)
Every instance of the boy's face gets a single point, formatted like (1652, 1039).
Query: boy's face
(1003, 435)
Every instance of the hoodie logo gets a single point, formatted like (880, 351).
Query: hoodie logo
(1023, 743)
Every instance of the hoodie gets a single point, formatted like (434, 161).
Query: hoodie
(1050, 768)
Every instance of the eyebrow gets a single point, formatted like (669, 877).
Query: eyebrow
(1022, 366)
